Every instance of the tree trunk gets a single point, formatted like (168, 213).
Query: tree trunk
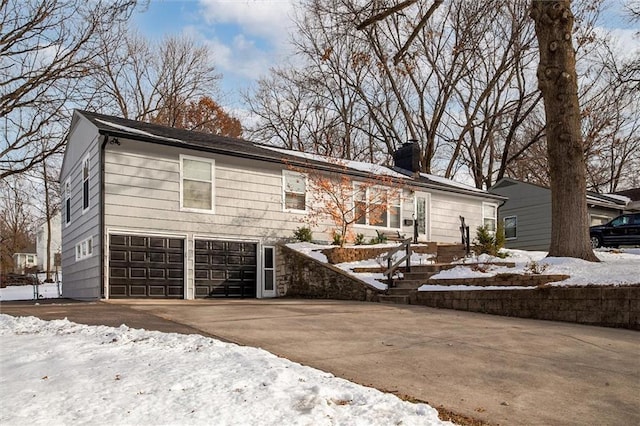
(557, 82)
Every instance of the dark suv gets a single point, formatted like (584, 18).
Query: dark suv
(623, 230)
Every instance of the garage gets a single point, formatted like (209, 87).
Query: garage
(225, 268)
(145, 266)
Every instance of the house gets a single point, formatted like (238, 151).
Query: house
(526, 214)
(634, 196)
(24, 261)
(55, 246)
(158, 212)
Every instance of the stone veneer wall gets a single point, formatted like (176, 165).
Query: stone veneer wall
(602, 306)
(300, 276)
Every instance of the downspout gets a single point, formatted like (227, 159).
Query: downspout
(103, 236)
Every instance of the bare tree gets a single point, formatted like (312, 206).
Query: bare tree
(45, 47)
(17, 220)
(150, 82)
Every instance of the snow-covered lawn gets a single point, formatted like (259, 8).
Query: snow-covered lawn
(58, 372)
(616, 267)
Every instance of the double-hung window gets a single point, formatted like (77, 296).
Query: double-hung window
(489, 216)
(85, 184)
(295, 191)
(197, 184)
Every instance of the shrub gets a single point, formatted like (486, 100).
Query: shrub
(303, 234)
(488, 242)
(535, 268)
(359, 239)
(337, 238)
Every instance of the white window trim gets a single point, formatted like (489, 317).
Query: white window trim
(84, 249)
(284, 191)
(504, 220)
(265, 270)
(213, 186)
(495, 216)
(87, 160)
(367, 224)
(67, 206)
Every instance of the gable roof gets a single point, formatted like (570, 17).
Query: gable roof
(612, 201)
(236, 147)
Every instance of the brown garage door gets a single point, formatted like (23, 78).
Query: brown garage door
(142, 266)
(225, 268)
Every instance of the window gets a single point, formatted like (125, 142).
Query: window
(489, 216)
(360, 204)
(85, 184)
(30, 258)
(197, 184)
(84, 249)
(510, 227)
(269, 269)
(376, 207)
(295, 191)
(67, 201)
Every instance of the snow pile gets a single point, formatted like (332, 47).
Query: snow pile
(616, 267)
(374, 279)
(58, 372)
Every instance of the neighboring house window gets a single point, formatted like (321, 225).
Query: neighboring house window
(84, 249)
(295, 191)
(30, 259)
(67, 201)
(376, 207)
(489, 213)
(269, 269)
(85, 184)
(197, 184)
(510, 227)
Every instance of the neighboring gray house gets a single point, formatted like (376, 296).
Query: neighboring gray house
(526, 215)
(158, 212)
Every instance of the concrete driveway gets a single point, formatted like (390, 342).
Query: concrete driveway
(506, 371)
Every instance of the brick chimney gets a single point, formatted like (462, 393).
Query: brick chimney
(407, 157)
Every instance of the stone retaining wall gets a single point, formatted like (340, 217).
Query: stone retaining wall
(505, 279)
(300, 276)
(357, 253)
(602, 306)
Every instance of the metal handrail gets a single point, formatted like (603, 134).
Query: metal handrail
(391, 267)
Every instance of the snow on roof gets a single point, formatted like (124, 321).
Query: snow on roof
(136, 131)
(355, 165)
(445, 181)
(622, 198)
(608, 199)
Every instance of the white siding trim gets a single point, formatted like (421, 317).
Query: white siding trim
(87, 160)
(67, 202)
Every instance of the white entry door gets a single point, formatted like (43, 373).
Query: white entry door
(268, 271)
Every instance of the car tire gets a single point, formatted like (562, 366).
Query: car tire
(596, 241)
